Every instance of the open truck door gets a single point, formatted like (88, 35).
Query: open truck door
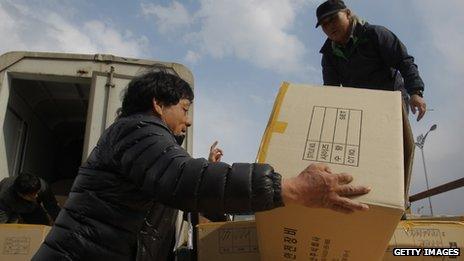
(105, 98)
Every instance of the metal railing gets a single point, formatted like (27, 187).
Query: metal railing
(438, 190)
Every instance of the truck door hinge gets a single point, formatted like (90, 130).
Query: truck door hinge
(109, 82)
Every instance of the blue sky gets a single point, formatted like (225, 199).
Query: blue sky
(240, 51)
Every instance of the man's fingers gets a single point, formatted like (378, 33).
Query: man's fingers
(341, 209)
(344, 178)
(350, 204)
(422, 110)
(419, 117)
(350, 190)
(413, 108)
(319, 166)
(217, 152)
(214, 145)
(326, 168)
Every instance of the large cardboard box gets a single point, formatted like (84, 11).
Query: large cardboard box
(358, 131)
(228, 241)
(426, 234)
(218, 240)
(19, 242)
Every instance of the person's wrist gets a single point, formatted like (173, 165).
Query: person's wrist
(288, 192)
(417, 92)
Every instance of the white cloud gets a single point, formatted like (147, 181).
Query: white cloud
(259, 100)
(40, 29)
(111, 40)
(445, 87)
(9, 30)
(168, 18)
(256, 31)
(443, 152)
(192, 57)
(442, 19)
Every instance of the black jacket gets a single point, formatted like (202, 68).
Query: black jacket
(13, 207)
(375, 59)
(136, 166)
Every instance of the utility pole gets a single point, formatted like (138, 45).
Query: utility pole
(420, 143)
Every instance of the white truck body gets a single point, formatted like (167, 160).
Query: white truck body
(52, 103)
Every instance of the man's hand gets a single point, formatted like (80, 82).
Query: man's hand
(215, 154)
(418, 102)
(318, 187)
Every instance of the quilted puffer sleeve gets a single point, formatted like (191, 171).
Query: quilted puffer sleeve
(395, 54)
(149, 155)
(330, 75)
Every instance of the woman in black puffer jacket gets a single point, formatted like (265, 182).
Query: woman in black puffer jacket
(138, 165)
(139, 169)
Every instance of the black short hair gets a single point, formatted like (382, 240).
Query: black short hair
(26, 183)
(157, 83)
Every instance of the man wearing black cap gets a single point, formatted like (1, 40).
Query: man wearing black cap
(358, 54)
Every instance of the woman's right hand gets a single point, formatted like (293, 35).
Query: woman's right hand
(317, 187)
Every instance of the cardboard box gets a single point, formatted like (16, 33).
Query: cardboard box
(358, 131)
(428, 234)
(408, 234)
(228, 241)
(19, 242)
(416, 217)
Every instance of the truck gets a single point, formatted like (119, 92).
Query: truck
(54, 107)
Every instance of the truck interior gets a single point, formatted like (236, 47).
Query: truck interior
(44, 128)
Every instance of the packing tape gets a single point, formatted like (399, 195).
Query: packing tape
(273, 125)
(279, 127)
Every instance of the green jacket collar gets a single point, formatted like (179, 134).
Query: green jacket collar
(345, 51)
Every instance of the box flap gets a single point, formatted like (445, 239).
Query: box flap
(409, 148)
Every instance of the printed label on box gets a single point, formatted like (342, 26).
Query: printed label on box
(334, 136)
(238, 240)
(16, 246)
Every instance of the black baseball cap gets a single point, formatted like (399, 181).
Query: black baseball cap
(328, 8)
